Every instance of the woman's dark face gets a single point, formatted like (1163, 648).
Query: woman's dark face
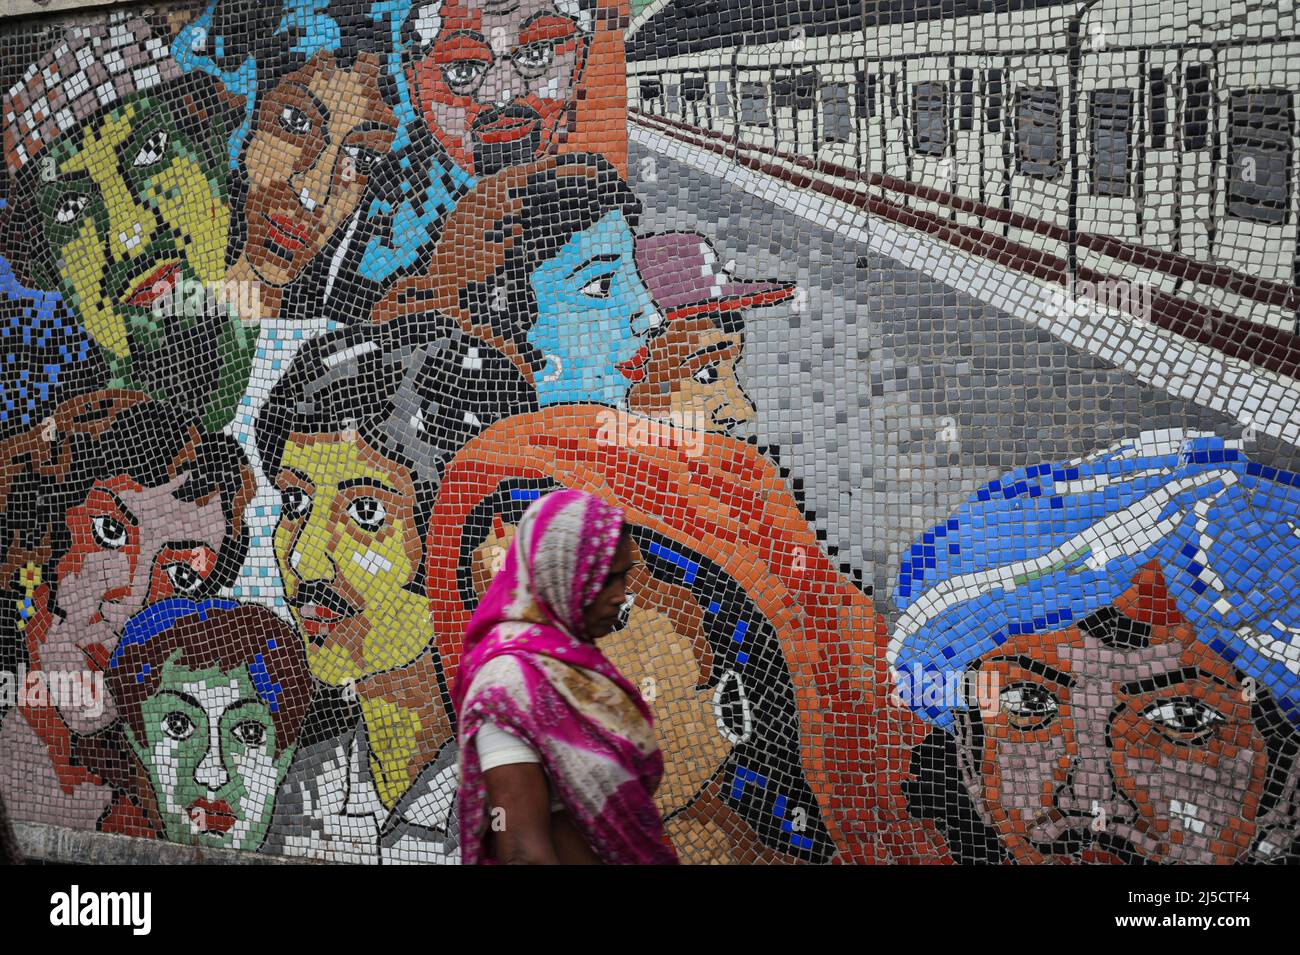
(600, 616)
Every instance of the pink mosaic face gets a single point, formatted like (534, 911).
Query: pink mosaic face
(131, 546)
(1115, 753)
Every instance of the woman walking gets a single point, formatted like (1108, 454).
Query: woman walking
(559, 762)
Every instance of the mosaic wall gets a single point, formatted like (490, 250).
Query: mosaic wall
(942, 357)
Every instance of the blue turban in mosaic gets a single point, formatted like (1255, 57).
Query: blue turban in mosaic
(1045, 546)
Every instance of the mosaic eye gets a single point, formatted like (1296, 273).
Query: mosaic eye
(295, 503)
(368, 513)
(1187, 718)
(707, 375)
(462, 74)
(295, 120)
(178, 726)
(108, 533)
(1029, 705)
(70, 208)
(599, 287)
(535, 56)
(185, 579)
(153, 149)
(250, 733)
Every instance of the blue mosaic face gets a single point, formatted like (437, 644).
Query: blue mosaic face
(593, 314)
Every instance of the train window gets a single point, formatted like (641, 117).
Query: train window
(651, 90)
(966, 112)
(753, 105)
(721, 99)
(893, 93)
(1196, 108)
(1159, 108)
(865, 95)
(993, 102)
(805, 89)
(837, 120)
(1038, 132)
(673, 103)
(930, 118)
(1110, 121)
(1259, 155)
(783, 92)
(694, 89)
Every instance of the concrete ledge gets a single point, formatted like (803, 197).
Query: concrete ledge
(31, 8)
(44, 843)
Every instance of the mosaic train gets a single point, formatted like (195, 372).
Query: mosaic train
(305, 303)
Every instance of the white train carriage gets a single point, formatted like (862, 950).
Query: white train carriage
(1189, 147)
(771, 91)
(695, 90)
(939, 108)
(1167, 154)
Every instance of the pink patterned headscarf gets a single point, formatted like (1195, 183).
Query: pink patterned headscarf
(556, 691)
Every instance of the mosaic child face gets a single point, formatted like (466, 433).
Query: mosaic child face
(348, 548)
(593, 313)
(499, 80)
(318, 135)
(212, 757)
(131, 546)
(690, 377)
(1098, 754)
(129, 211)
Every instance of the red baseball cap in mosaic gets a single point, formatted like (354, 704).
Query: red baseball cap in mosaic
(682, 272)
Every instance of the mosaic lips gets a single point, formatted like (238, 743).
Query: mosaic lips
(211, 816)
(286, 233)
(143, 290)
(634, 369)
(321, 608)
(496, 127)
(506, 130)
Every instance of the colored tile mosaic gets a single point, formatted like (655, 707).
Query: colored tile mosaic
(942, 359)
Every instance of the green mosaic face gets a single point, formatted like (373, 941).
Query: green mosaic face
(211, 754)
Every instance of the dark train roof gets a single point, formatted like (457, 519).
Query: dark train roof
(689, 26)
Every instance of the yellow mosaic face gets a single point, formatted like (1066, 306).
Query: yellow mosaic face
(347, 548)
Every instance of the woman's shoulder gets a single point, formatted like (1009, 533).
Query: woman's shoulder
(599, 698)
(504, 669)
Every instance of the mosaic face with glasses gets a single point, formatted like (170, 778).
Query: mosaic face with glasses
(496, 81)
